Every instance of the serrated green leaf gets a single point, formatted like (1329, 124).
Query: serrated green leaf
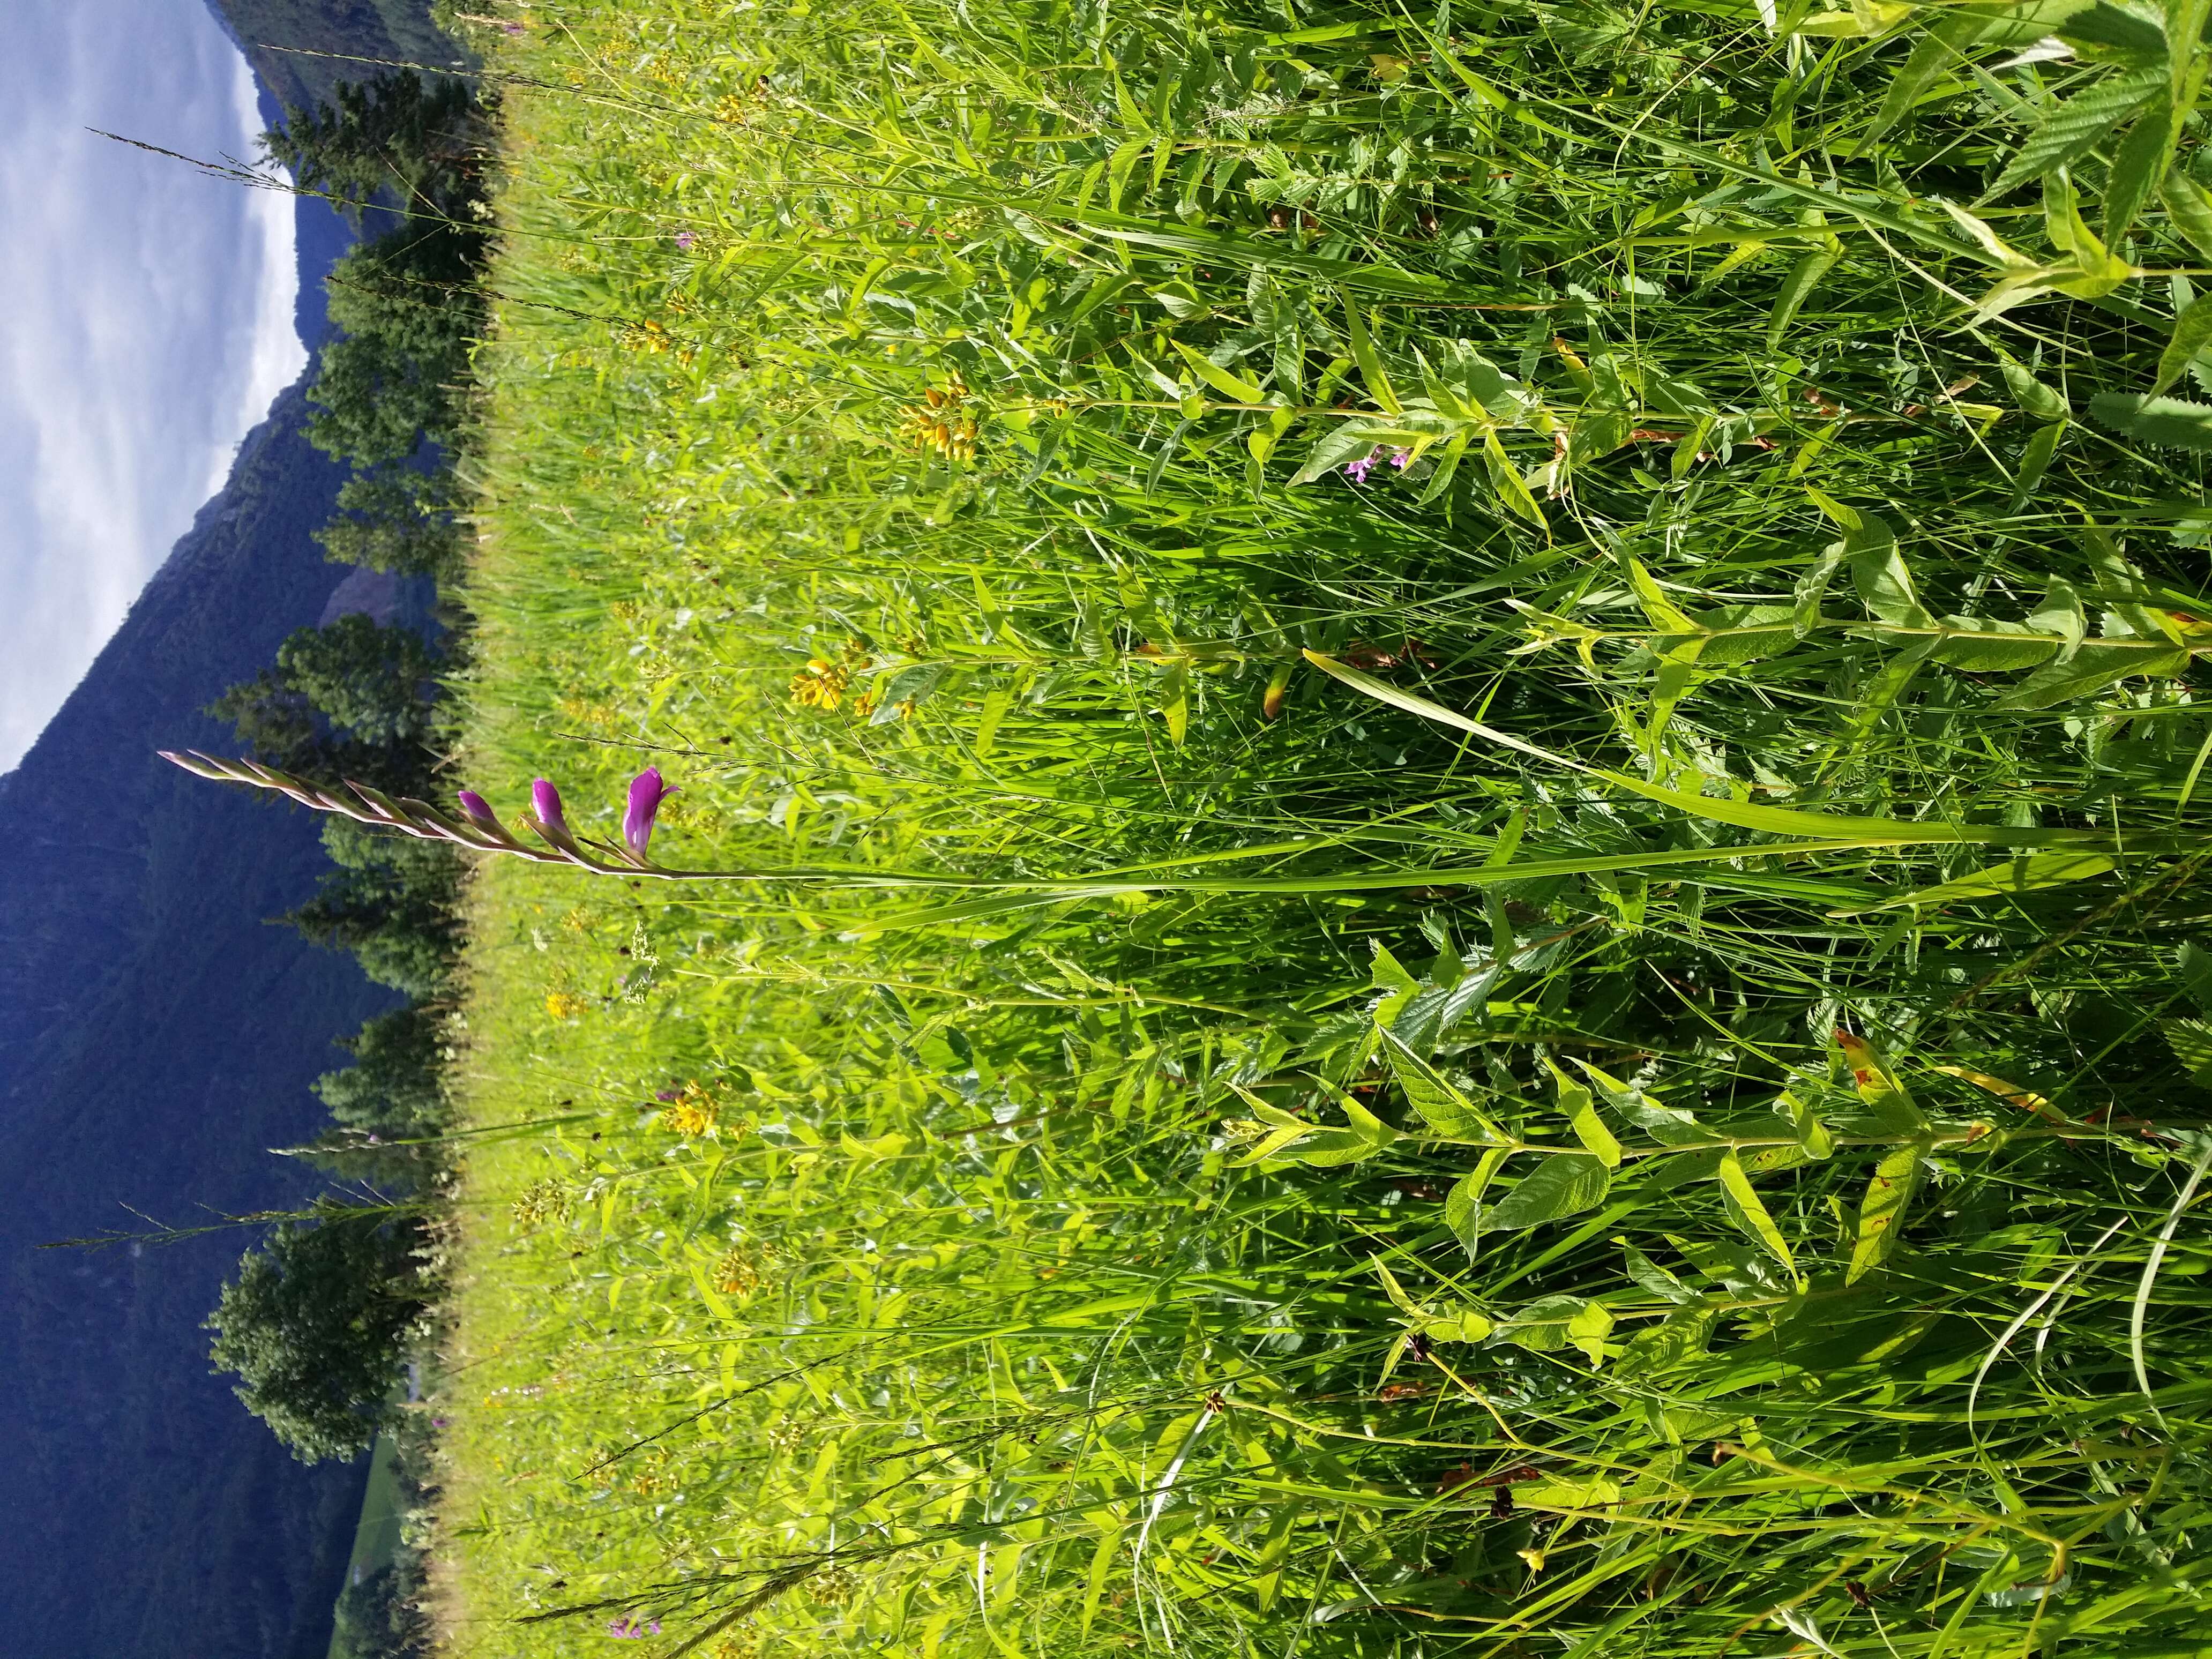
(2192, 1042)
(2141, 160)
(2073, 128)
(2171, 422)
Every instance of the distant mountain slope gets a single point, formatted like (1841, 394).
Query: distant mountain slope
(155, 1038)
(280, 35)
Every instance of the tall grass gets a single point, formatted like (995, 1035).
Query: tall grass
(1585, 1044)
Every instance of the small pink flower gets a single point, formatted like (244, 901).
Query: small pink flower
(631, 1629)
(545, 802)
(646, 792)
(1398, 458)
(685, 237)
(1358, 471)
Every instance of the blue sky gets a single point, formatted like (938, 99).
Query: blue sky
(147, 319)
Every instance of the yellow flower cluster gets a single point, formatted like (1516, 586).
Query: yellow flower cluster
(562, 1005)
(696, 1113)
(943, 424)
(739, 1272)
(820, 684)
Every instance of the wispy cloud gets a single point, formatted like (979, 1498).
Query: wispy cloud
(148, 323)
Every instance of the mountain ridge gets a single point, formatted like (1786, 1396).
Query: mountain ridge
(157, 1037)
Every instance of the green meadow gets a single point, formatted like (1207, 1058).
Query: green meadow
(1455, 759)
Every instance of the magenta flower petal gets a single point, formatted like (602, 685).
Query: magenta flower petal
(478, 809)
(545, 802)
(646, 792)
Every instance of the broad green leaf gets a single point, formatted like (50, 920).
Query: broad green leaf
(1463, 1210)
(1895, 1180)
(2022, 873)
(1563, 1184)
(1879, 573)
(1877, 1081)
(2072, 129)
(1552, 1322)
(2090, 670)
(1506, 479)
(989, 720)
(2192, 332)
(1175, 702)
(1663, 612)
(1670, 1126)
(1582, 1113)
(2034, 398)
(2192, 210)
(1680, 1336)
(1812, 587)
(2035, 461)
(1121, 164)
(1593, 1493)
(1363, 1137)
(1748, 1212)
(1812, 1134)
(2193, 963)
(1660, 1281)
(1391, 978)
(1443, 1107)
(1232, 386)
(1984, 645)
(1337, 444)
(1370, 361)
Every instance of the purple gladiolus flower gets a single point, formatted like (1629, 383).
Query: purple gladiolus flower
(646, 792)
(478, 809)
(545, 801)
(1358, 471)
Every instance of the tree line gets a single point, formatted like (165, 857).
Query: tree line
(323, 1312)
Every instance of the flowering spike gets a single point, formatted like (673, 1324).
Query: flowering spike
(646, 792)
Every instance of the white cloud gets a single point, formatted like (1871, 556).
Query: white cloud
(147, 319)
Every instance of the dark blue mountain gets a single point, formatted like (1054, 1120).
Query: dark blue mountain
(157, 1037)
